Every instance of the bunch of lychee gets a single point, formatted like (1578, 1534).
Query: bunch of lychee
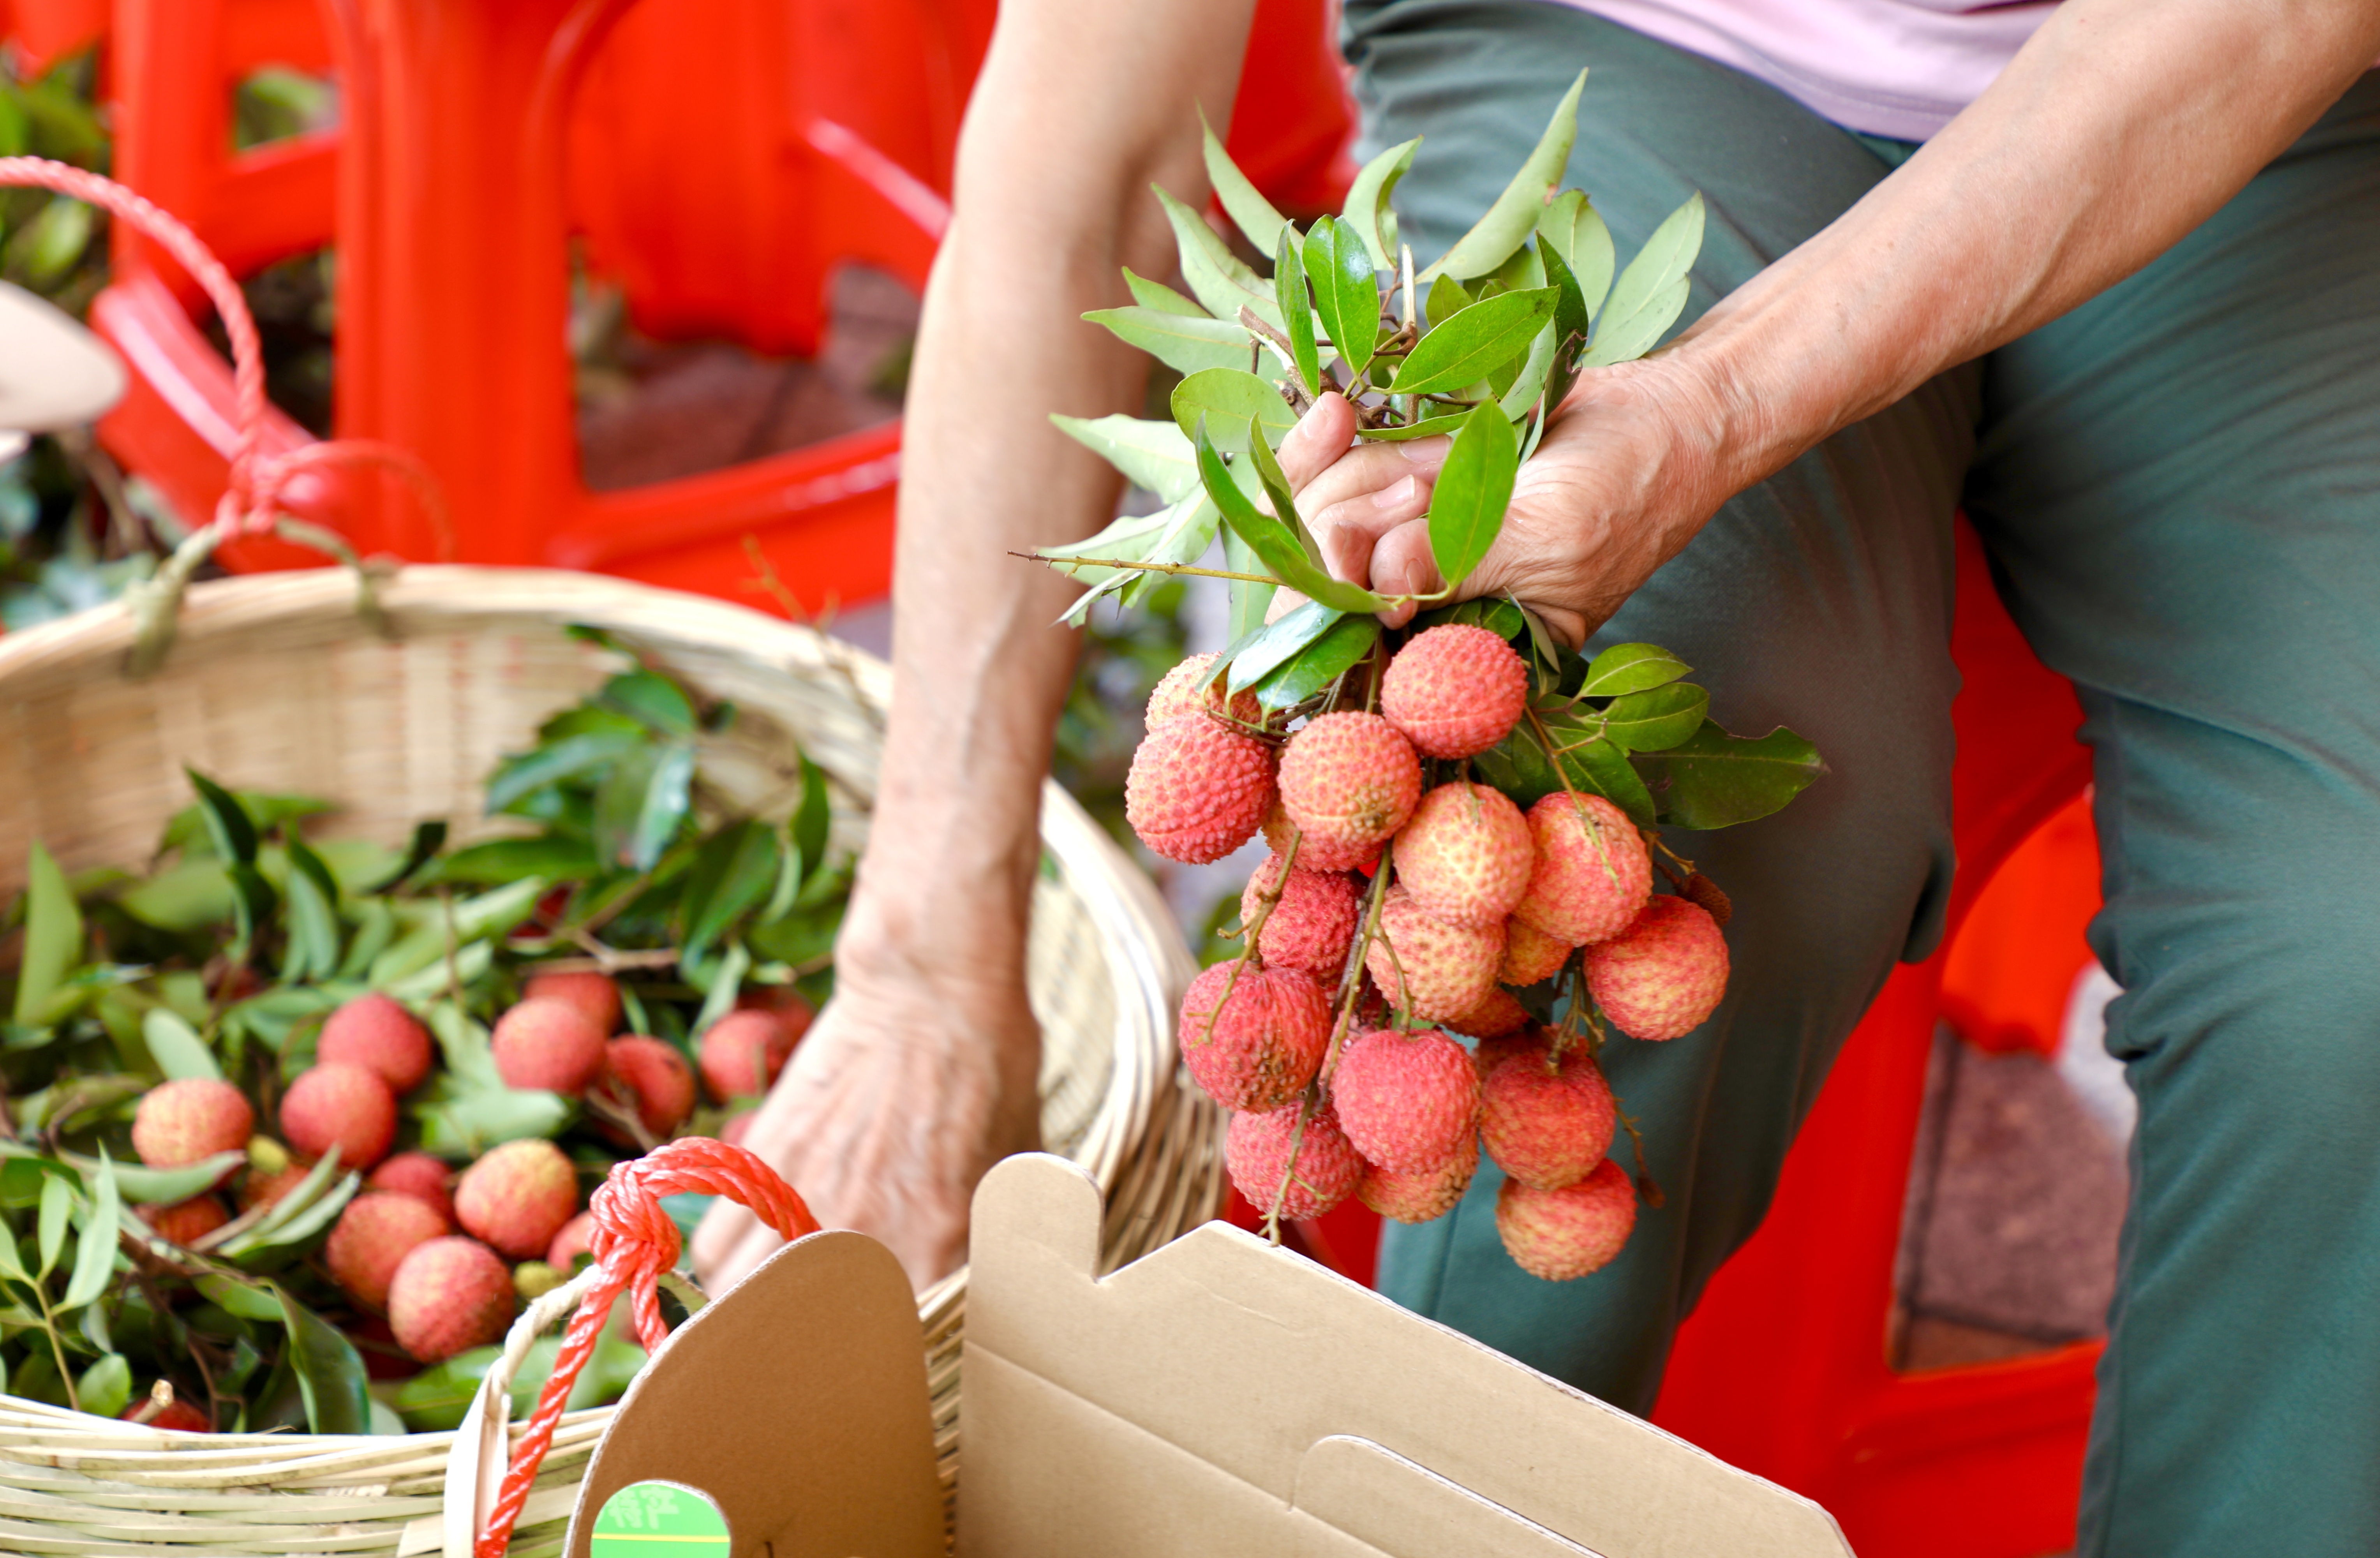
(1401, 906)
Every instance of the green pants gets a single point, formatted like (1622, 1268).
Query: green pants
(2180, 485)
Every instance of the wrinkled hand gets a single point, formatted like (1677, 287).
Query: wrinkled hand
(897, 1101)
(1628, 470)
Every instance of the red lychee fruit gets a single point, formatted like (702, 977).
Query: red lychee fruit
(575, 1240)
(1455, 690)
(1310, 925)
(376, 1033)
(1492, 1052)
(517, 1197)
(1417, 1198)
(1664, 974)
(1562, 1234)
(345, 1106)
(737, 1128)
(1434, 970)
(595, 995)
(374, 1233)
(1312, 854)
(1409, 1102)
(742, 1052)
(1348, 780)
(1530, 955)
(195, 1117)
(1466, 855)
(1197, 789)
(1256, 1152)
(1494, 1018)
(264, 1190)
(421, 1175)
(1547, 1125)
(184, 1222)
(1593, 870)
(1191, 688)
(1258, 1047)
(449, 1295)
(647, 1077)
(548, 1043)
(782, 1002)
(160, 1409)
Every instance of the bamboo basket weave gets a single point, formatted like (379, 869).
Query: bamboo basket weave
(276, 682)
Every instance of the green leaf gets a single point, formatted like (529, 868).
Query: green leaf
(1447, 299)
(313, 918)
(551, 856)
(1222, 286)
(1247, 603)
(732, 871)
(48, 247)
(1654, 721)
(105, 1386)
(1599, 767)
(1464, 350)
(720, 988)
(1275, 644)
(248, 1298)
(1183, 344)
(57, 1203)
(1715, 779)
(1339, 269)
(1319, 664)
(1495, 612)
(1572, 229)
(1509, 221)
(1164, 299)
(1273, 542)
(330, 1370)
(1651, 292)
(1151, 454)
(524, 773)
(52, 943)
(1274, 481)
(463, 1122)
(1247, 209)
(652, 701)
(1569, 331)
(95, 1248)
(1528, 384)
(189, 896)
(1475, 486)
(1226, 400)
(497, 910)
(1368, 203)
(227, 823)
(164, 1186)
(1625, 668)
(1428, 427)
(429, 838)
(176, 1048)
(813, 817)
(1296, 310)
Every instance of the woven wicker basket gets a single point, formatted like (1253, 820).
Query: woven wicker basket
(276, 683)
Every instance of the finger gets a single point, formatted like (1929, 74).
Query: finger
(1401, 565)
(1369, 469)
(1320, 437)
(1348, 531)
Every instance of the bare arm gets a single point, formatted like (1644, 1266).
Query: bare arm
(922, 1073)
(2117, 128)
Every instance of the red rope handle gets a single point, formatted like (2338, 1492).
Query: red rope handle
(633, 1242)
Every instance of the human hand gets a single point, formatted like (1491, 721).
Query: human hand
(1629, 470)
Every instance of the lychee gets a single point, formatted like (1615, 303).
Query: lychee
(1409, 1102)
(1466, 855)
(449, 1295)
(1593, 871)
(345, 1106)
(1530, 955)
(548, 1043)
(573, 1241)
(421, 1175)
(190, 1119)
(517, 1197)
(1455, 690)
(595, 995)
(1432, 969)
(1314, 854)
(376, 1033)
(376, 1231)
(1191, 688)
(1348, 780)
(649, 1079)
(160, 1409)
(184, 1222)
(1311, 923)
(742, 1052)
(782, 1002)
(1545, 1123)
(1253, 1041)
(1562, 1234)
(1197, 789)
(1664, 974)
(533, 1280)
(1417, 1198)
(1492, 1052)
(1256, 1152)
(1494, 1018)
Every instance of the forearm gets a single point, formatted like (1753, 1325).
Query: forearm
(2121, 127)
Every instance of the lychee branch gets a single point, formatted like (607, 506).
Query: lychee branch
(1061, 565)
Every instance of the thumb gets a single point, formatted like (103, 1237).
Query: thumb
(1318, 439)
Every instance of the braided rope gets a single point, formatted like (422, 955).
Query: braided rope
(633, 1242)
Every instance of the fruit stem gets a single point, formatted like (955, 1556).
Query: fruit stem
(1252, 929)
(1062, 564)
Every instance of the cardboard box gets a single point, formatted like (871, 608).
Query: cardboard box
(1219, 1397)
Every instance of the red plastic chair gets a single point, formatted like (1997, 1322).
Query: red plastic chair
(47, 31)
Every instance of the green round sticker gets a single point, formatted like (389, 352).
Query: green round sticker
(659, 1520)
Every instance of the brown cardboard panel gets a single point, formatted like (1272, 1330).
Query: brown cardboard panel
(797, 1401)
(1244, 1358)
